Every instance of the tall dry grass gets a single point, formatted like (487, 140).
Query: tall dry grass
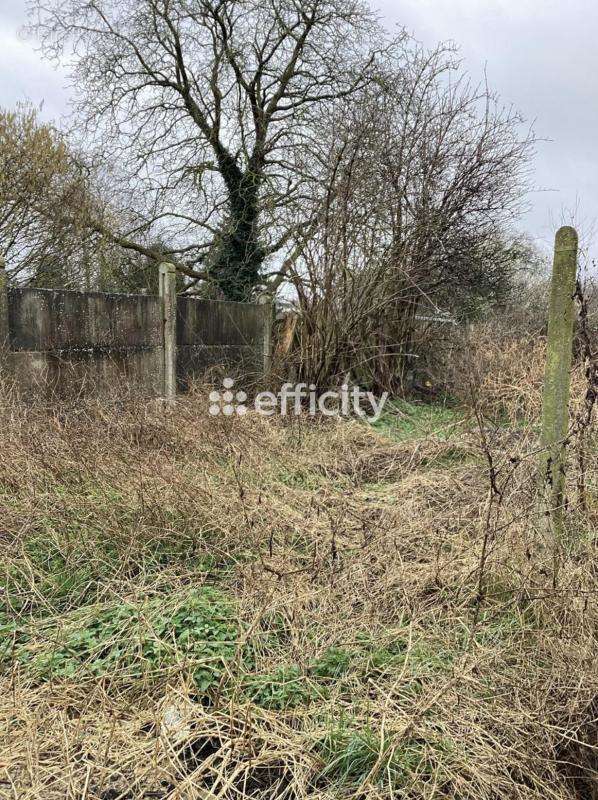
(398, 630)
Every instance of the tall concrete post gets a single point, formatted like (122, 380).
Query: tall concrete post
(268, 321)
(167, 290)
(557, 380)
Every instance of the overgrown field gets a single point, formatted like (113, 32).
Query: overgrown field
(262, 608)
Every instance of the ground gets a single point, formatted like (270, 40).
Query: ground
(196, 607)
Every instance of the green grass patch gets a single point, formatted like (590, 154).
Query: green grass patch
(403, 420)
(285, 688)
(198, 632)
(353, 756)
(333, 663)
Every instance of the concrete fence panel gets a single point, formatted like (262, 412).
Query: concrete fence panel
(64, 342)
(219, 333)
(60, 342)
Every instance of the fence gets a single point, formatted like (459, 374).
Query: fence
(96, 343)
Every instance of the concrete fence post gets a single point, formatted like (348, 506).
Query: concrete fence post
(167, 293)
(557, 380)
(3, 305)
(268, 322)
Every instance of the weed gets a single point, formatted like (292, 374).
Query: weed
(300, 479)
(423, 689)
(333, 663)
(404, 420)
(198, 632)
(286, 688)
(353, 757)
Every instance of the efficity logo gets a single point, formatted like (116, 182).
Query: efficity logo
(295, 399)
(229, 402)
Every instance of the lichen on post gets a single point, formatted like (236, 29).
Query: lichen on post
(557, 380)
(169, 307)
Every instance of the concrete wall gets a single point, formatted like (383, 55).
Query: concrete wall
(64, 342)
(219, 333)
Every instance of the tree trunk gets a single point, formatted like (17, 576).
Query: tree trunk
(238, 255)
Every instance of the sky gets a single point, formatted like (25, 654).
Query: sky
(539, 55)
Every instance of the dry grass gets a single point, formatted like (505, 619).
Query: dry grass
(505, 370)
(379, 622)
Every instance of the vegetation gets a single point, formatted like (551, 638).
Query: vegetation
(290, 608)
(49, 197)
(258, 607)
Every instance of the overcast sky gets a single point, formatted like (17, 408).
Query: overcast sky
(540, 55)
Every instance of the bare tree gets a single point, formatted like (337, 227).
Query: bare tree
(51, 205)
(38, 175)
(424, 176)
(205, 108)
